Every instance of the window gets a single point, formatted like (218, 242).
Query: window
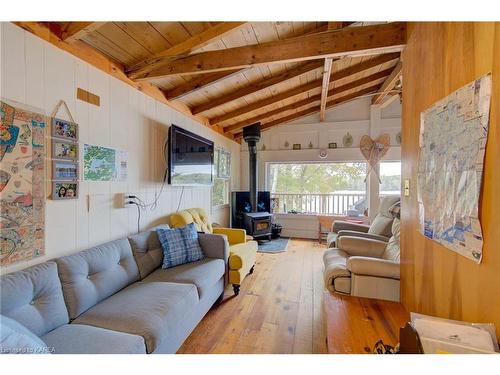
(322, 188)
(390, 178)
(222, 175)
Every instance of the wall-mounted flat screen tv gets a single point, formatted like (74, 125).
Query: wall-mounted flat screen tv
(191, 158)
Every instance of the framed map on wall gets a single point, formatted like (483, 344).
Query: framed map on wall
(104, 164)
(453, 137)
(22, 183)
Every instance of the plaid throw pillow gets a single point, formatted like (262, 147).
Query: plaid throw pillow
(180, 246)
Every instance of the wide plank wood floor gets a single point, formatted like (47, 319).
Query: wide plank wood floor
(279, 308)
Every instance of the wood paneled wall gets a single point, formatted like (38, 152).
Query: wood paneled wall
(440, 58)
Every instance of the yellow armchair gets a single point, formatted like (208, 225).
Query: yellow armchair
(242, 252)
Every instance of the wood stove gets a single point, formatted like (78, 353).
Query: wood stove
(257, 224)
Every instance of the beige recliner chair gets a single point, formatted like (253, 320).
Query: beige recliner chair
(379, 229)
(364, 267)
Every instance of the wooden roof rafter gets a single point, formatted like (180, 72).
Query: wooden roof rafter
(349, 71)
(371, 39)
(389, 84)
(315, 98)
(315, 109)
(205, 79)
(74, 31)
(258, 86)
(197, 41)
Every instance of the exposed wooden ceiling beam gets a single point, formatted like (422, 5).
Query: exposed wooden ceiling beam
(258, 86)
(202, 80)
(294, 105)
(197, 41)
(314, 109)
(337, 75)
(383, 38)
(198, 82)
(77, 30)
(327, 72)
(335, 91)
(388, 84)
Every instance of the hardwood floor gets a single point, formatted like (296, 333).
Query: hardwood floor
(355, 324)
(279, 309)
(283, 308)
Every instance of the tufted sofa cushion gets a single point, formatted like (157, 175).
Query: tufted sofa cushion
(92, 275)
(34, 298)
(147, 250)
(198, 216)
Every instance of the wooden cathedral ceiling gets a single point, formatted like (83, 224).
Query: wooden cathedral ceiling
(237, 73)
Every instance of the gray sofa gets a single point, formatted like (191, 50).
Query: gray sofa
(116, 298)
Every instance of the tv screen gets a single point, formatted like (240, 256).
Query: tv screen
(191, 158)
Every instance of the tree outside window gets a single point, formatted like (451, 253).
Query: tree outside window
(222, 175)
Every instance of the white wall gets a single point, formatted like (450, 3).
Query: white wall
(38, 74)
(358, 118)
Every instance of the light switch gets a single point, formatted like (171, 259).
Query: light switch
(407, 187)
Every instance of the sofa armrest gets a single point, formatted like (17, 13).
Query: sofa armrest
(362, 234)
(358, 246)
(373, 267)
(234, 235)
(214, 246)
(339, 225)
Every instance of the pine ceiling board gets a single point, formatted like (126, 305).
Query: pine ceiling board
(248, 33)
(237, 104)
(107, 47)
(265, 32)
(284, 29)
(194, 28)
(145, 34)
(173, 32)
(298, 28)
(111, 31)
(233, 40)
(214, 90)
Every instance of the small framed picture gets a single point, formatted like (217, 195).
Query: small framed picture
(332, 145)
(296, 146)
(65, 150)
(65, 190)
(64, 170)
(64, 129)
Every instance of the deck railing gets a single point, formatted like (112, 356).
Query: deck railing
(322, 204)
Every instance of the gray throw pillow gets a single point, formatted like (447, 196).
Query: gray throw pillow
(17, 339)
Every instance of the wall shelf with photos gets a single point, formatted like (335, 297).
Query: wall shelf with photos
(65, 154)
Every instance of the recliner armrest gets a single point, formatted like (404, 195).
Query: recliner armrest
(339, 225)
(234, 235)
(373, 267)
(362, 234)
(358, 246)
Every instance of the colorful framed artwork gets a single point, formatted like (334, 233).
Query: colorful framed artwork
(64, 170)
(65, 190)
(296, 146)
(65, 150)
(332, 145)
(64, 129)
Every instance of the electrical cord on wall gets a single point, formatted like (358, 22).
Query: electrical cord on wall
(180, 200)
(138, 215)
(153, 205)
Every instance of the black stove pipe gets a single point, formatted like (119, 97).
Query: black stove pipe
(251, 135)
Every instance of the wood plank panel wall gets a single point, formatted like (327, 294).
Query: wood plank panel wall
(438, 59)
